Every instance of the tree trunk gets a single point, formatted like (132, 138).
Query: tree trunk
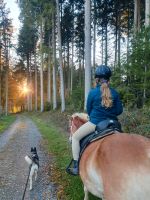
(147, 13)
(137, 16)
(28, 84)
(119, 47)
(68, 69)
(30, 95)
(41, 67)
(87, 49)
(80, 68)
(106, 46)
(60, 60)
(72, 57)
(147, 24)
(0, 82)
(116, 34)
(72, 66)
(54, 63)
(94, 41)
(102, 46)
(6, 92)
(35, 87)
(6, 79)
(49, 75)
(128, 35)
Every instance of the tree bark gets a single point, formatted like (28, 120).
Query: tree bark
(72, 57)
(41, 67)
(6, 92)
(147, 24)
(60, 61)
(6, 79)
(49, 75)
(94, 40)
(119, 36)
(87, 49)
(147, 13)
(30, 95)
(72, 66)
(35, 86)
(28, 84)
(54, 63)
(137, 16)
(0, 81)
(106, 46)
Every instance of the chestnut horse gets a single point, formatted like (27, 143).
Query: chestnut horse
(116, 167)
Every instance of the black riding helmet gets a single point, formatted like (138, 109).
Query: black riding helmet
(103, 71)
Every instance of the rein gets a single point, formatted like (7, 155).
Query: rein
(26, 182)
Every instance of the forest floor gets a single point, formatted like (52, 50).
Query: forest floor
(15, 144)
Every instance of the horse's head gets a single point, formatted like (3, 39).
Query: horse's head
(77, 120)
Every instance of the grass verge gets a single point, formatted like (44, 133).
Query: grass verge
(5, 121)
(70, 187)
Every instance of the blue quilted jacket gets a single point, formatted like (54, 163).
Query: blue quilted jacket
(97, 112)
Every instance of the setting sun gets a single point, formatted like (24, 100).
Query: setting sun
(25, 89)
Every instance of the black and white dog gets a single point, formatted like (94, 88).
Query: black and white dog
(33, 162)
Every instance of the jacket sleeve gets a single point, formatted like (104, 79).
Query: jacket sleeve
(89, 103)
(119, 106)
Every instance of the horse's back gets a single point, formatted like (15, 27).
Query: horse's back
(119, 166)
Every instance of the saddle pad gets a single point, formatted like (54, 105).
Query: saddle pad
(93, 137)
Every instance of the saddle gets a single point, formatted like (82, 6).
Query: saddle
(103, 129)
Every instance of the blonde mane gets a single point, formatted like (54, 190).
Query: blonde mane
(83, 116)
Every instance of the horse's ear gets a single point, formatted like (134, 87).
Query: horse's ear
(81, 120)
(75, 120)
(78, 121)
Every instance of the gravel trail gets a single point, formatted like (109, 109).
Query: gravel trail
(15, 144)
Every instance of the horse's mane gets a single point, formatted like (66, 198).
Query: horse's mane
(83, 116)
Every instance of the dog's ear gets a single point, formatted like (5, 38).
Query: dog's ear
(35, 149)
(31, 149)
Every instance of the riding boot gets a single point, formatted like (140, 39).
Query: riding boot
(74, 170)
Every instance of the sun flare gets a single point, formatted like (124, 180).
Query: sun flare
(24, 89)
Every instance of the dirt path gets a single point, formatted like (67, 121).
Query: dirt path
(15, 143)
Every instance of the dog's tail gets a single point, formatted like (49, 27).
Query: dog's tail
(28, 160)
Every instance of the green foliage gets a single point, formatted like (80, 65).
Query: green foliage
(5, 121)
(47, 106)
(132, 80)
(76, 100)
(27, 39)
(136, 121)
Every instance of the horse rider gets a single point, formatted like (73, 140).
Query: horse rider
(103, 103)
